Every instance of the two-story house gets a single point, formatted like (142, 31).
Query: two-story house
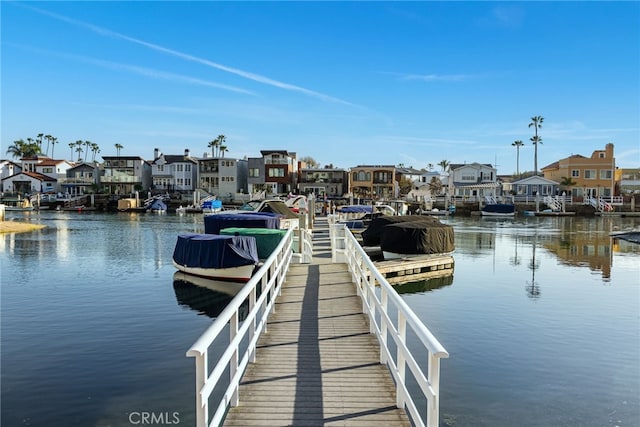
(173, 173)
(8, 168)
(329, 182)
(80, 179)
(276, 172)
(222, 177)
(125, 174)
(473, 180)
(38, 174)
(591, 176)
(373, 182)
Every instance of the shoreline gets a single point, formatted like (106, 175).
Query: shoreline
(18, 227)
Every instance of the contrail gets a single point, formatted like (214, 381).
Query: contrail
(248, 75)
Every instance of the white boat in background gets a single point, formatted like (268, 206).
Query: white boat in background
(20, 205)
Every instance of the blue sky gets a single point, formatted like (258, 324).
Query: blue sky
(346, 83)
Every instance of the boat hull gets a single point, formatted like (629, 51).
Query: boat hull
(499, 209)
(233, 274)
(499, 214)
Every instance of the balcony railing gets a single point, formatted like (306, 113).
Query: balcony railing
(120, 179)
(77, 180)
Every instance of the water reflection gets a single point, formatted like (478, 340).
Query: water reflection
(205, 296)
(573, 242)
(533, 288)
(424, 285)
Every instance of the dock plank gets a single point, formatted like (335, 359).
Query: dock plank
(317, 364)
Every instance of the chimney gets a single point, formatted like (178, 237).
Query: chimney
(186, 153)
(155, 153)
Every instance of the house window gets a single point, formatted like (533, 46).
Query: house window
(575, 173)
(276, 172)
(160, 168)
(602, 155)
(254, 172)
(47, 170)
(468, 177)
(522, 189)
(605, 173)
(179, 168)
(546, 190)
(590, 174)
(187, 168)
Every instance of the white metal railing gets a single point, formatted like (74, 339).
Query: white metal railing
(553, 202)
(600, 204)
(345, 248)
(268, 282)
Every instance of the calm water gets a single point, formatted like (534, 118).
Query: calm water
(541, 318)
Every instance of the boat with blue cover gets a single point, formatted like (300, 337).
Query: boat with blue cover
(493, 208)
(221, 257)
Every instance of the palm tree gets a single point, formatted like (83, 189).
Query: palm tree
(444, 164)
(95, 149)
(222, 150)
(430, 166)
(88, 145)
(39, 140)
(213, 144)
(23, 149)
(536, 122)
(517, 144)
(54, 141)
(78, 149)
(566, 183)
(221, 140)
(48, 139)
(72, 145)
(118, 148)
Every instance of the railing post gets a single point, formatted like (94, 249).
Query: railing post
(402, 336)
(433, 413)
(202, 405)
(233, 363)
(252, 330)
(383, 327)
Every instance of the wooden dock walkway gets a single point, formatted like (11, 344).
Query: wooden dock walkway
(317, 364)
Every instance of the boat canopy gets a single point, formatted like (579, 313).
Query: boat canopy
(356, 209)
(371, 236)
(214, 223)
(417, 237)
(215, 251)
(267, 239)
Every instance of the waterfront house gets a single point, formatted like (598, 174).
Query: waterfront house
(331, 182)
(8, 168)
(593, 176)
(373, 181)
(276, 172)
(628, 180)
(222, 177)
(82, 178)
(473, 181)
(173, 173)
(532, 186)
(125, 174)
(27, 182)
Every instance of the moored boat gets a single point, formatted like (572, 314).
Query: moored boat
(214, 256)
(499, 209)
(416, 238)
(267, 239)
(493, 208)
